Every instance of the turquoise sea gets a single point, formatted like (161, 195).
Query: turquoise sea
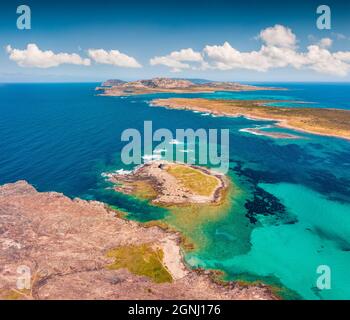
(292, 211)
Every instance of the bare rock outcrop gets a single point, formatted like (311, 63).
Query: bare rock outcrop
(63, 244)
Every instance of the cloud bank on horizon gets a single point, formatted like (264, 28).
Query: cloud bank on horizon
(279, 49)
(32, 56)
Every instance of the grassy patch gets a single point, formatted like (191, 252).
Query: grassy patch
(198, 182)
(141, 260)
(143, 189)
(14, 294)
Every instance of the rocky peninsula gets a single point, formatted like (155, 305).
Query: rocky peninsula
(77, 249)
(321, 121)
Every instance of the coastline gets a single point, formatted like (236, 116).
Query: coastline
(117, 88)
(305, 120)
(259, 132)
(172, 183)
(196, 214)
(86, 260)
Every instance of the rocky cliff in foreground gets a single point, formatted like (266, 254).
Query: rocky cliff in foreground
(73, 249)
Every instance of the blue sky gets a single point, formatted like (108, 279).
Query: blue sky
(143, 30)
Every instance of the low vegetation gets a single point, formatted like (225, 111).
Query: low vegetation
(196, 181)
(143, 260)
(323, 121)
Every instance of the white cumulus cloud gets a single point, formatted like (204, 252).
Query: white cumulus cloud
(278, 50)
(175, 60)
(186, 55)
(225, 57)
(33, 56)
(278, 36)
(113, 57)
(343, 56)
(325, 43)
(323, 61)
(176, 66)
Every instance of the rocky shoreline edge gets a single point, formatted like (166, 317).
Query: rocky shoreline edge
(318, 121)
(64, 244)
(173, 183)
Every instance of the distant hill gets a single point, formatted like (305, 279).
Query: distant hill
(158, 82)
(195, 80)
(164, 83)
(113, 82)
(117, 87)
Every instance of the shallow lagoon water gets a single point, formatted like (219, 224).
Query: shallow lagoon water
(290, 215)
(292, 252)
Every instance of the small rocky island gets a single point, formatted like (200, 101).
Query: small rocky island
(170, 183)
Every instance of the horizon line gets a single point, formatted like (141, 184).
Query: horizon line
(239, 81)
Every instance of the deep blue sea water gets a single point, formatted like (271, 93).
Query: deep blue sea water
(294, 214)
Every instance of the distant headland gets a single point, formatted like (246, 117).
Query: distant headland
(321, 121)
(116, 87)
